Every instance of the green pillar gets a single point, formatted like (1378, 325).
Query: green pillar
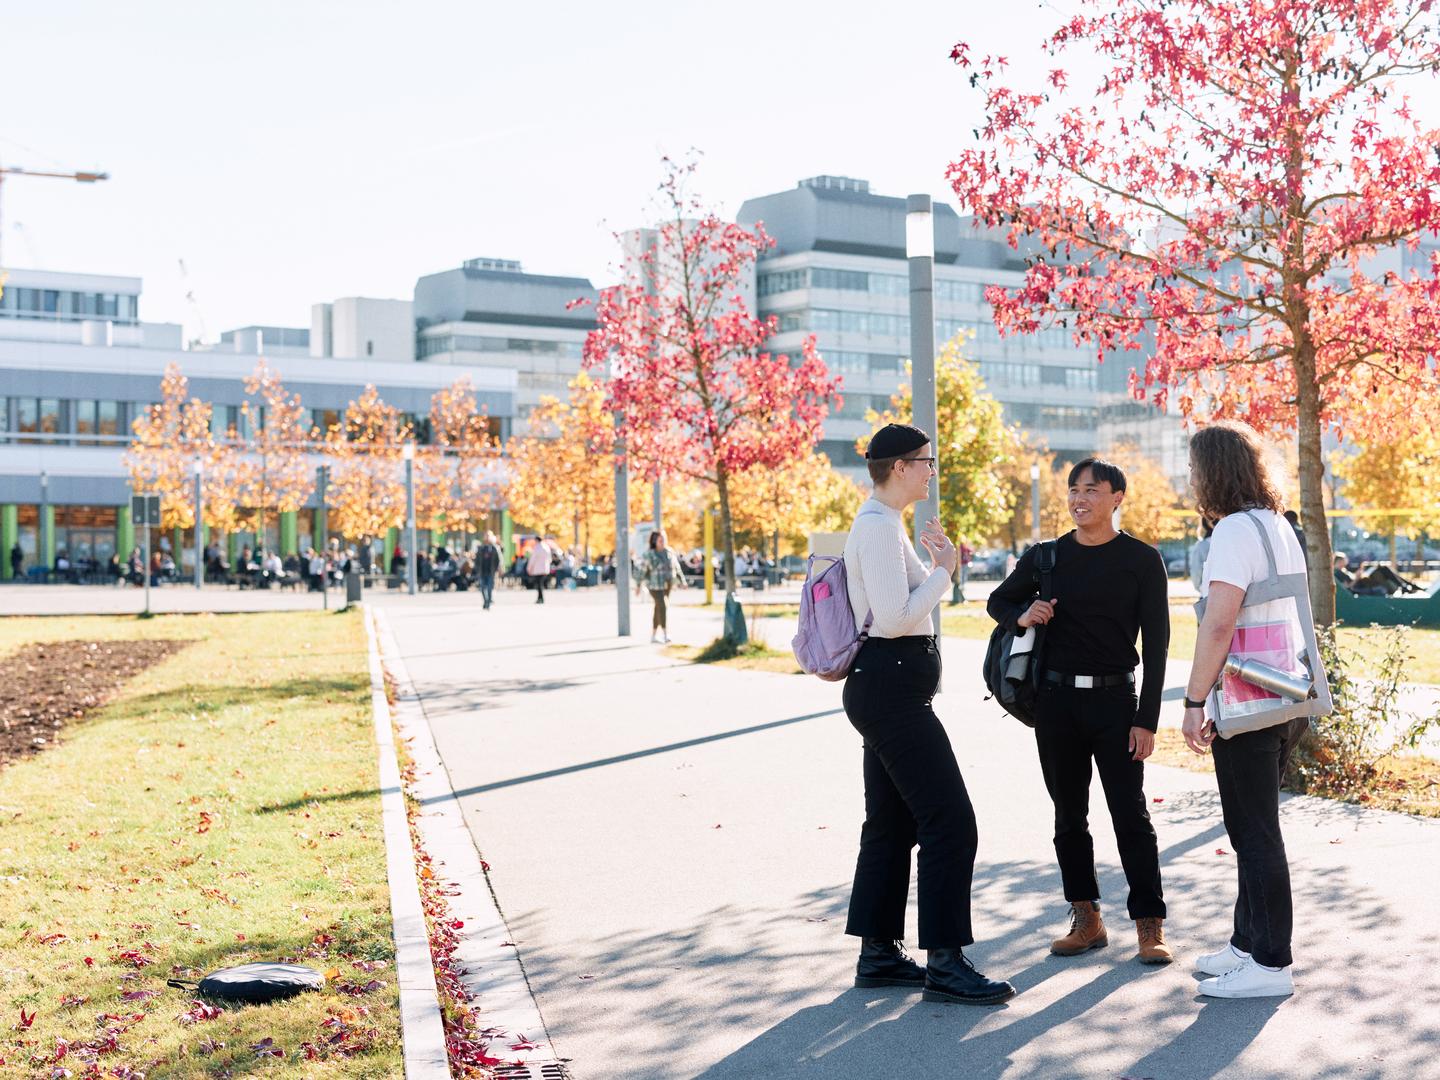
(177, 545)
(232, 547)
(124, 532)
(507, 532)
(9, 533)
(47, 529)
(289, 532)
(390, 536)
(437, 537)
(321, 529)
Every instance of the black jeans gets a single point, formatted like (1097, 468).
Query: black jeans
(487, 587)
(913, 794)
(1248, 771)
(1072, 727)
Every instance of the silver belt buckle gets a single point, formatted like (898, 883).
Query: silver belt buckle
(1084, 682)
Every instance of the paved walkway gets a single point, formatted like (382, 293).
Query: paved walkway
(672, 847)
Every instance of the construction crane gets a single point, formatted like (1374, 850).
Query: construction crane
(16, 170)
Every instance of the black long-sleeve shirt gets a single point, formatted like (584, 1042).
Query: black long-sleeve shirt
(1108, 594)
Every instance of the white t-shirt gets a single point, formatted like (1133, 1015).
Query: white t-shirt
(1270, 633)
(1237, 557)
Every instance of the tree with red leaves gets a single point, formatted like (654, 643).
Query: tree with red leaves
(684, 364)
(1244, 192)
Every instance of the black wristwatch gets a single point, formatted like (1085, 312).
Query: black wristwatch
(1194, 704)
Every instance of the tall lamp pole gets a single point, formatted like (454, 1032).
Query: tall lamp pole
(408, 453)
(622, 536)
(43, 532)
(199, 526)
(1035, 503)
(920, 251)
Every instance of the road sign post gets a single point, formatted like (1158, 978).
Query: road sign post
(145, 512)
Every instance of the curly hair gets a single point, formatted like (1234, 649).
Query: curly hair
(1228, 470)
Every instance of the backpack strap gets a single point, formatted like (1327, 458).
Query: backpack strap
(1044, 568)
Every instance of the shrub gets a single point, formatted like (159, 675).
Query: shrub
(1340, 756)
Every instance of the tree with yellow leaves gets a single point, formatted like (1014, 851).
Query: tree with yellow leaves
(562, 475)
(169, 438)
(973, 443)
(367, 488)
(1153, 510)
(1397, 476)
(457, 477)
(771, 506)
(275, 470)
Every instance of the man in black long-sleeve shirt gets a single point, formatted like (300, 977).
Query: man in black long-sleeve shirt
(1107, 587)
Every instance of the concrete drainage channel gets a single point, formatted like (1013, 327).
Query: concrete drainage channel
(493, 974)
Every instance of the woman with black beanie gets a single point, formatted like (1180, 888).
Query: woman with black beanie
(914, 792)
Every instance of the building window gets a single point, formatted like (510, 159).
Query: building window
(779, 281)
(842, 452)
(107, 418)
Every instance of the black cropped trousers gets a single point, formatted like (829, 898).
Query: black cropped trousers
(914, 794)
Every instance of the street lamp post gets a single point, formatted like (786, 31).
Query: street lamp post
(408, 453)
(920, 251)
(1035, 503)
(199, 527)
(43, 532)
(622, 535)
(319, 531)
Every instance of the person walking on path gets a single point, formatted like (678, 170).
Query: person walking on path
(914, 792)
(1233, 487)
(487, 565)
(537, 567)
(662, 570)
(1108, 588)
(17, 562)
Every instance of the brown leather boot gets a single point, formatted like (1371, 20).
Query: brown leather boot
(1153, 949)
(1086, 930)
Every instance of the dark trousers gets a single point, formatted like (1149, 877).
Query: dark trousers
(1072, 728)
(913, 794)
(658, 595)
(487, 587)
(1248, 771)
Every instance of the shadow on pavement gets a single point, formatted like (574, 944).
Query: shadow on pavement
(633, 755)
(1102, 1014)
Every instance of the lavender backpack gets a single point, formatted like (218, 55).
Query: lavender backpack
(826, 643)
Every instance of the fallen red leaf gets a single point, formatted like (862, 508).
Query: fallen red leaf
(1158, 799)
(1221, 851)
(25, 1021)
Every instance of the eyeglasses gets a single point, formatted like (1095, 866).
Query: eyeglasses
(925, 460)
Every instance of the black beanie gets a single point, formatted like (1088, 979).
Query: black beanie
(893, 440)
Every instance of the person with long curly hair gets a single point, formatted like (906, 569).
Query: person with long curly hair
(1235, 490)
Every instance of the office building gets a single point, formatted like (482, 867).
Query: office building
(490, 314)
(77, 366)
(839, 271)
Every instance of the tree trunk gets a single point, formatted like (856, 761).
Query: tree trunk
(1312, 486)
(727, 535)
(1394, 562)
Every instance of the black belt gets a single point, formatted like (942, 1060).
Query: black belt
(1089, 682)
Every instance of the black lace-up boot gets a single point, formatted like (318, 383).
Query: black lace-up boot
(950, 977)
(886, 963)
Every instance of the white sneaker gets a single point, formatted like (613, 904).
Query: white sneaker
(665, 638)
(654, 636)
(1218, 963)
(1249, 980)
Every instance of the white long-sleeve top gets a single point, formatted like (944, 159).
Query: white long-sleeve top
(885, 576)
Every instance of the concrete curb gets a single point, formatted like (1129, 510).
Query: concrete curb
(421, 1028)
(493, 972)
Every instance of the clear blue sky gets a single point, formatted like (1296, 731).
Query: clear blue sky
(292, 152)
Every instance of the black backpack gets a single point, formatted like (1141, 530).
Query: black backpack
(1016, 690)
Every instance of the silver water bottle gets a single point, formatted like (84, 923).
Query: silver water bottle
(1294, 687)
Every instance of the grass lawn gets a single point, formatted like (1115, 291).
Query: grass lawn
(221, 810)
(752, 656)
